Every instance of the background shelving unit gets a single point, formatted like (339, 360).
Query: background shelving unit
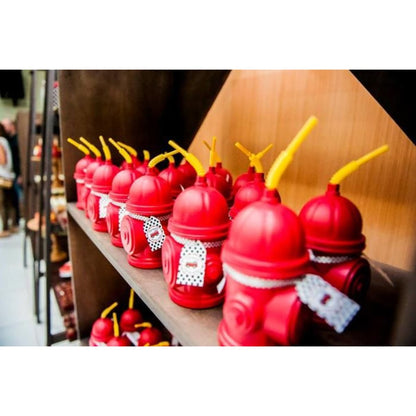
(42, 183)
(147, 108)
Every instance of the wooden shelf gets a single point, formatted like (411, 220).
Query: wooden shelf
(373, 326)
(190, 327)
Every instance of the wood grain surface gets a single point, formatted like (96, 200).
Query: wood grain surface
(262, 107)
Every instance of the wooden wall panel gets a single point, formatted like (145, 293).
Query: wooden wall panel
(142, 108)
(262, 107)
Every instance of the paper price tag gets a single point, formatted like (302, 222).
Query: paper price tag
(327, 302)
(104, 201)
(154, 233)
(191, 269)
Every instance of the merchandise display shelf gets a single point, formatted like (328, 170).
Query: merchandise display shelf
(373, 326)
(190, 327)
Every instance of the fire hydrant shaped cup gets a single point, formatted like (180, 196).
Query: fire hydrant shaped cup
(102, 329)
(89, 173)
(118, 196)
(144, 226)
(264, 256)
(191, 254)
(333, 228)
(80, 172)
(255, 164)
(188, 172)
(174, 177)
(217, 176)
(98, 198)
(264, 253)
(254, 189)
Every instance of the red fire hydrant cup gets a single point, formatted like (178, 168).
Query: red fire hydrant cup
(118, 196)
(191, 253)
(263, 257)
(333, 229)
(97, 201)
(144, 227)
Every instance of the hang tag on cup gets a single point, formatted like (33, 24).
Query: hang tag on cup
(192, 261)
(133, 337)
(154, 233)
(103, 204)
(327, 302)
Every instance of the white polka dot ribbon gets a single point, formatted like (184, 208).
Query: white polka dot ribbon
(152, 227)
(79, 180)
(103, 203)
(328, 259)
(322, 298)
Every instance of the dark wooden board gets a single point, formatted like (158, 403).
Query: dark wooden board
(190, 327)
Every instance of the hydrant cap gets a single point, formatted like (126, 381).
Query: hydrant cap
(150, 195)
(91, 168)
(174, 177)
(247, 194)
(333, 224)
(200, 212)
(266, 240)
(103, 177)
(81, 167)
(122, 182)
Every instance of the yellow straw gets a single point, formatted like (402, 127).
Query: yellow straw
(161, 157)
(254, 160)
(286, 156)
(130, 149)
(196, 164)
(131, 299)
(79, 146)
(90, 146)
(213, 153)
(106, 311)
(122, 151)
(161, 344)
(116, 328)
(143, 325)
(146, 154)
(264, 151)
(106, 149)
(342, 173)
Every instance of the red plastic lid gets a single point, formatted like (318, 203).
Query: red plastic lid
(243, 179)
(103, 177)
(189, 172)
(200, 212)
(333, 224)
(174, 177)
(91, 169)
(81, 167)
(150, 195)
(266, 240)
(122, 182)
